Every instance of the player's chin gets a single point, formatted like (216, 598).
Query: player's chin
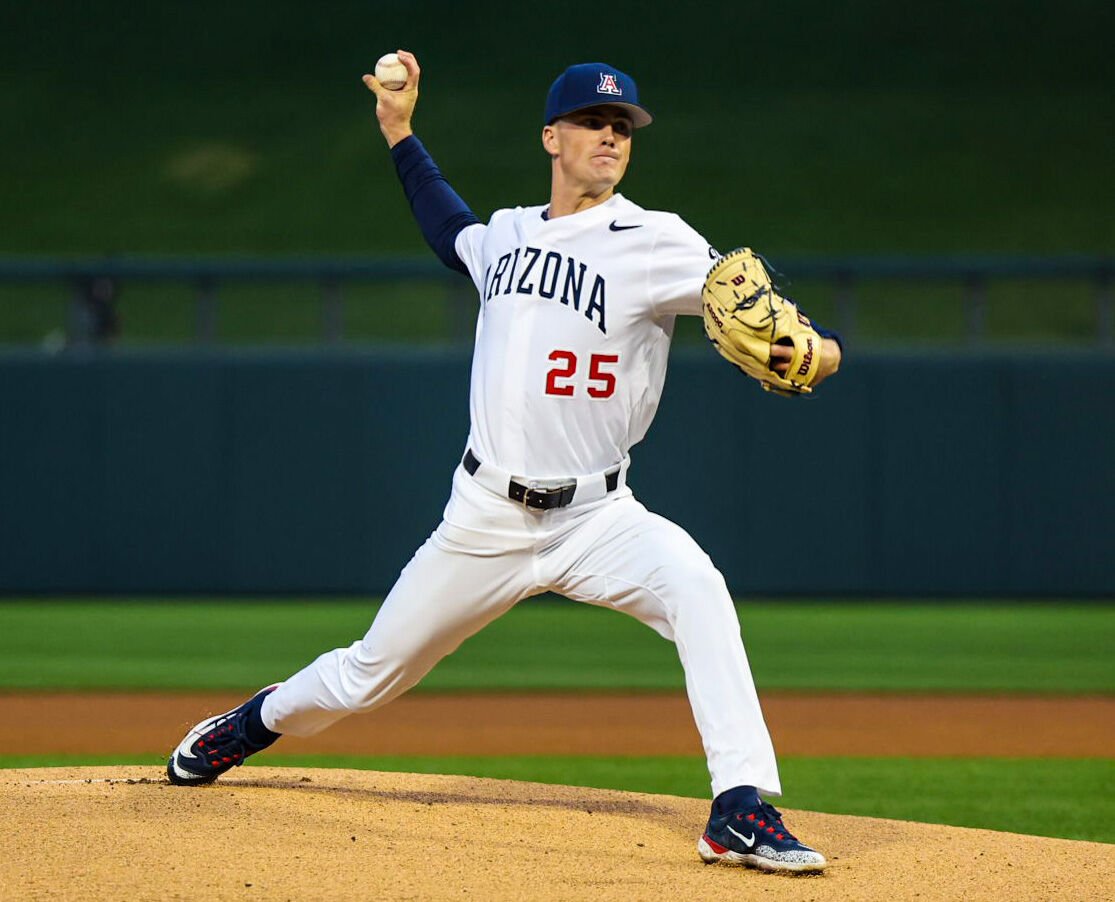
(607, 172)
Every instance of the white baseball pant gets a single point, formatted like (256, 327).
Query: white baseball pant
(489, 553)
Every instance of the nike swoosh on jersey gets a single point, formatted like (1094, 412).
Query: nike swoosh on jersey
(748, 841)
(615, 227)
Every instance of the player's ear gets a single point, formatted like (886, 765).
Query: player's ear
(550, 140)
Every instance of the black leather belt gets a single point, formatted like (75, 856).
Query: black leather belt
(540, 498)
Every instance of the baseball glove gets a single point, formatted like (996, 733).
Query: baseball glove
(744, 315)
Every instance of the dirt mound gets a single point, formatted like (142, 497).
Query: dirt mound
(293, 833)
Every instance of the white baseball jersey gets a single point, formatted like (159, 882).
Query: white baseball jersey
(574, 331)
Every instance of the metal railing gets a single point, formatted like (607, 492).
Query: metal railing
(333, 275)
(974, 273)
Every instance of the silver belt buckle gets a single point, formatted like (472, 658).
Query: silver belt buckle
(540, 486)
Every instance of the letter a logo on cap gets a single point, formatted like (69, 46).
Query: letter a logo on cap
(608, 84)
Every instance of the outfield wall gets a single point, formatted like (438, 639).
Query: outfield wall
(315, 471)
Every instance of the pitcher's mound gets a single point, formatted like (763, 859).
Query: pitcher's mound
(294, 833)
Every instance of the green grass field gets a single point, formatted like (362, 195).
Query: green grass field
(959, 646)
(1056, 647)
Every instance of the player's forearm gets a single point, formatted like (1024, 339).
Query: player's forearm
(439, 210)
(831, 356)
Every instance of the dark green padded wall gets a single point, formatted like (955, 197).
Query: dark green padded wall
(307, 471)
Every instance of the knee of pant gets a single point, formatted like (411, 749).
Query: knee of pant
(699, 591)
(368, 681)
(695, 579)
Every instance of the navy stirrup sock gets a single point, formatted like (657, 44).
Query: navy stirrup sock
(254, 729)
(735, 799)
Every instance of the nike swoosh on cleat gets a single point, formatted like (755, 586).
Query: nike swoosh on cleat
(615, 227)
(748, 841)
(183, 774)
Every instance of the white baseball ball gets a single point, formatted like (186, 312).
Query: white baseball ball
(391, 73)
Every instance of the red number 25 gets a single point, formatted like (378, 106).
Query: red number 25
(601, 383)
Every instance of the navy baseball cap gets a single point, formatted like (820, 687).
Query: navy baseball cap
(594, 84)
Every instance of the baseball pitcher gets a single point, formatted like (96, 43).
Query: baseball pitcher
(577, 300)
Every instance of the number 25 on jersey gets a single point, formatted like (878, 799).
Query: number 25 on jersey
(562, 379)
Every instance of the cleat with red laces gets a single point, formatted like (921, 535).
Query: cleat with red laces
(220, 743)
(755, 836)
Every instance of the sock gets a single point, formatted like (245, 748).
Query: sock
(254, 728)
(735, 799)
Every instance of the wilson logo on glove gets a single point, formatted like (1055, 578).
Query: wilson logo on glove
(808, 358)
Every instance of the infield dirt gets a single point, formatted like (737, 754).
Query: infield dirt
(291, 833)
(583, 724)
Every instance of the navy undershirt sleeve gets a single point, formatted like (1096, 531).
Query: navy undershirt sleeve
(821, 330)
(440, 212)
(829, 333)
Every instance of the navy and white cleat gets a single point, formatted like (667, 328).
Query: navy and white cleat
(220, 743)
(757, 838)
